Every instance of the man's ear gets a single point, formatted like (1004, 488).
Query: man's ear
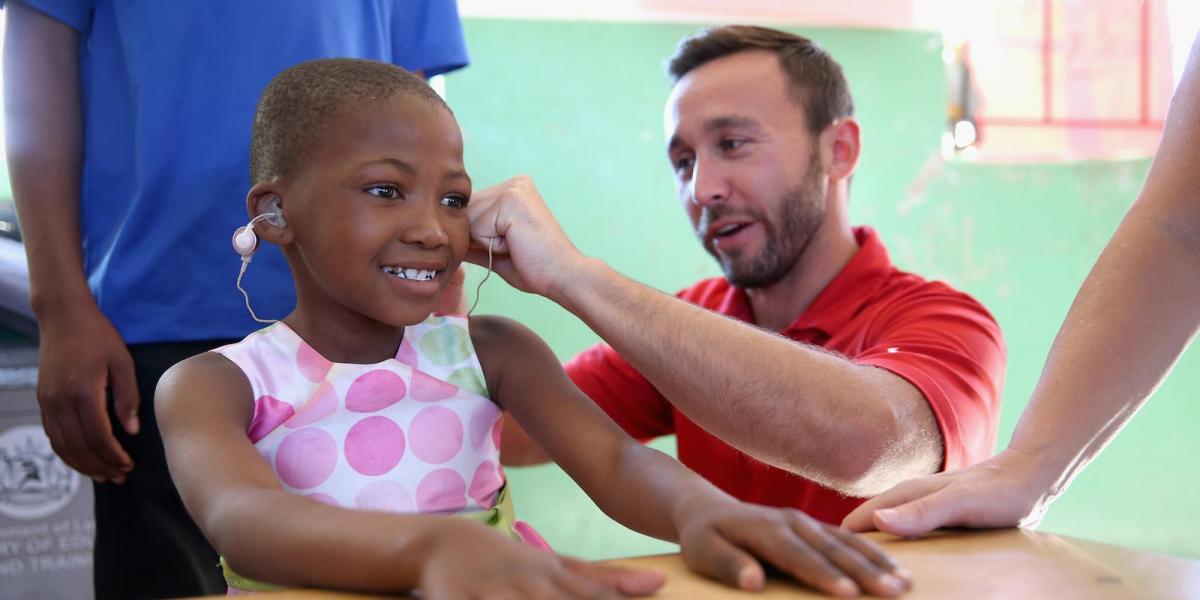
(840, 148)
(266, 198)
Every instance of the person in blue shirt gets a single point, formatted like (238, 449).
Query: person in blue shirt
(128, 129)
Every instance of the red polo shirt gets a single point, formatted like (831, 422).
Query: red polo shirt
(940, 340)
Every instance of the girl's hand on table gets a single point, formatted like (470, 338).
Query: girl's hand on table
(476, 563)
(731, 541)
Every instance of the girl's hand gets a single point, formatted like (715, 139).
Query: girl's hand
(729, 541)
(477, 563)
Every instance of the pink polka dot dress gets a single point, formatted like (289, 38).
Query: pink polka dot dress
(412, 434)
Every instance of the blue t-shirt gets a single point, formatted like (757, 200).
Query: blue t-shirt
(169, 92)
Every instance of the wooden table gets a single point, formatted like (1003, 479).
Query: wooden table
(1008, 564)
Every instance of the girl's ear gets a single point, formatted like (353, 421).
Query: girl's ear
(266, 199)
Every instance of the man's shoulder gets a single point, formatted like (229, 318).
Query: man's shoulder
(909, 294)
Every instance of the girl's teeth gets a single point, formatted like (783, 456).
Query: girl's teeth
(415, 274)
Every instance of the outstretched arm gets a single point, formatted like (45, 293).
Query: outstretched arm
(652, 493)
(1136, 312)
(782, 402)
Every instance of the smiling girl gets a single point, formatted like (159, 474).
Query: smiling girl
(354, 444)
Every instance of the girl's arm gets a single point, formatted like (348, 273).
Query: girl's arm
(652, 493)
(203, 406)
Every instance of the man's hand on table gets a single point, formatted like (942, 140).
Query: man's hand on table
(1004, 491)
(730, 541)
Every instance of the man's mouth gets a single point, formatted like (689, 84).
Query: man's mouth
(411, 274)
(729, 229)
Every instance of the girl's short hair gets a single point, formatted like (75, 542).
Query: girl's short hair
(301, 101)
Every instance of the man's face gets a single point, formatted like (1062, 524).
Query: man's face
(746, 167)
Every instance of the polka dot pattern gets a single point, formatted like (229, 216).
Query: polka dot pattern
(416, 433)
(407, 354)
(312, 365)
(443, 490)
(497, 428)
(321, 403)
(484, 484)
(374, 391)
(482, 420)
(436, 434)
(470, 379)
(324, 499)
(269, 413)
(427, 388)
(447, 345)
(306, 458)
(374, 445)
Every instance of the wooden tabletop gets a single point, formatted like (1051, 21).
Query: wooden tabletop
(979, 565)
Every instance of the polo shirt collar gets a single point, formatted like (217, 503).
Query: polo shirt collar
(841, 299)
(853, 286)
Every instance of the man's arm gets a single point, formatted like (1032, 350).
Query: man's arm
(857, 429)
(1136, 312)
(81, 353)
(718, 536)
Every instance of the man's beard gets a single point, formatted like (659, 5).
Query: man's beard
(798, 216)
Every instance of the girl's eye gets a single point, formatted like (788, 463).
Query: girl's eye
(389, 192)
(455, 200)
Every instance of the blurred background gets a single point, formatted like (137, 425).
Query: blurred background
(1003, 141)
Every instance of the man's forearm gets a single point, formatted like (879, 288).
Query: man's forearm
(775, 399)
(44, 144)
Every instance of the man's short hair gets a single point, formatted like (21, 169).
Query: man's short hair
(817, 82)
(300, 102)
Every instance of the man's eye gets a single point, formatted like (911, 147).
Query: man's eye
(389, 192)
(455, 200)
(683, 164)
(729, 144)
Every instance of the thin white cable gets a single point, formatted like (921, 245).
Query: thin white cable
(485, 277)
(242, 272)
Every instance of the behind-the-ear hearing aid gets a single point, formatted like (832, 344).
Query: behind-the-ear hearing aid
(245, 242)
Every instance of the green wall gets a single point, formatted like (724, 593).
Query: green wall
(578, 106)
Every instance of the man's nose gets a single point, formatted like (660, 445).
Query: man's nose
(709, 184)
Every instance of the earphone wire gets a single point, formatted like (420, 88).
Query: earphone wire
(485, 277)
(242, 272)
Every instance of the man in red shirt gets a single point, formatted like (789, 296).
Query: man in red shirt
(873, 375)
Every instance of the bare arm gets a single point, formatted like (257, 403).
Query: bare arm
(652, 493)
(267, 534)
(782, 402)
(81, 353)
(1136, 312)
(203, 406)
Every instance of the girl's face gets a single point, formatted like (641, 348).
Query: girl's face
(378, 213)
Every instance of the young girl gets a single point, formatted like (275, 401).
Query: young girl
(330, 449)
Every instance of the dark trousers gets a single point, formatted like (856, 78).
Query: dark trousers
(146, 544)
